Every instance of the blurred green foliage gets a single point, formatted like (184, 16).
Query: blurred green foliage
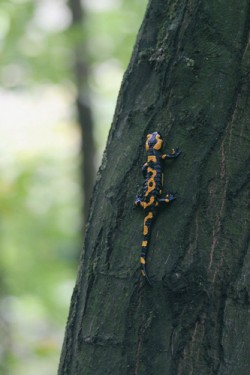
(36, 38)
(40, 216)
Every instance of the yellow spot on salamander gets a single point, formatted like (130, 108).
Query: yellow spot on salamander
(143, 273)
(151, 201)
(144, 243)
(152, 158)
(142, 260)
(159, 143)
(145, 228)
(151, 182)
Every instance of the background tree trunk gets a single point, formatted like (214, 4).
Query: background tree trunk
(189, 79)
(83, 106)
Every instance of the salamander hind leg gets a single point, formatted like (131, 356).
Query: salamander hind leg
(169, 197)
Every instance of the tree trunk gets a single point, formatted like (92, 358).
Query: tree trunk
(84, 110)
(189, 79)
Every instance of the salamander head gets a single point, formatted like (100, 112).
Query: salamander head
(154, 141)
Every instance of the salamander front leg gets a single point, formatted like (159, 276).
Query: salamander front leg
(138, 200)
(174, 153)
(169, 197)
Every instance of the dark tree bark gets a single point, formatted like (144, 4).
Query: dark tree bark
(84, 110)
(189, 79)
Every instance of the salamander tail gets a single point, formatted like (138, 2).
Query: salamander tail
(144, 249)
(143, 269)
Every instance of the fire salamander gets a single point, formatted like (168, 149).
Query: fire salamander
(151, 198)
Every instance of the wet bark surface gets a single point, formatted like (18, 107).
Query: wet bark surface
(189, 79)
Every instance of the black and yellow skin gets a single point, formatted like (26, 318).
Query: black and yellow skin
(151, 198)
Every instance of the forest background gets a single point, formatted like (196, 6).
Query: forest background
(40, 189)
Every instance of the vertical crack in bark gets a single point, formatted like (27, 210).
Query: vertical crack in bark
(140, 338)
(217, 226)
(137, 356)
(193, 351)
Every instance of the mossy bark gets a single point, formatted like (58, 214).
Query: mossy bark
(189, 79)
